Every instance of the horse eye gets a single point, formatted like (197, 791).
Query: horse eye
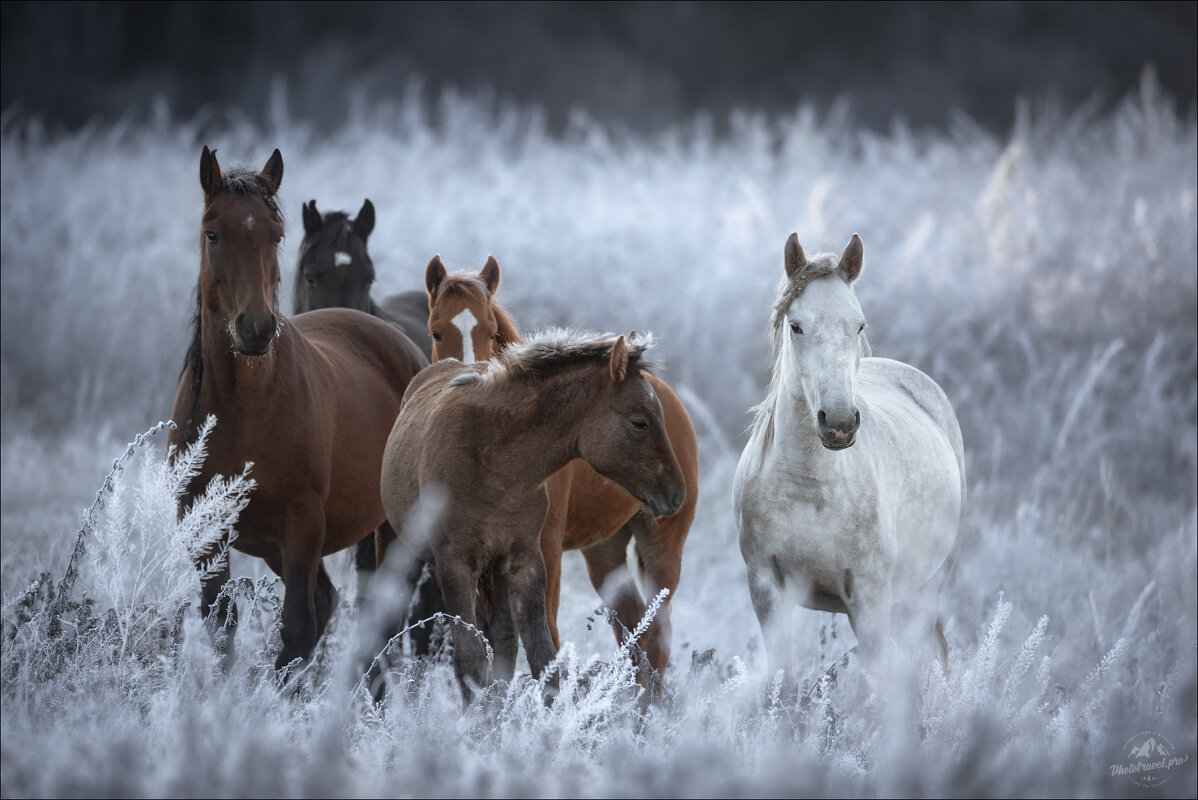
(862, 328)
(310, 279)
(436, 337)
(796, 327)
(212, 237)
(640, 424)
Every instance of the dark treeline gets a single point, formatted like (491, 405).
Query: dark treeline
(640, 64)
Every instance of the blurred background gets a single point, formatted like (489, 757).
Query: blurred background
(638, 64)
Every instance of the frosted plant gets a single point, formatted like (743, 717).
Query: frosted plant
(143, 556)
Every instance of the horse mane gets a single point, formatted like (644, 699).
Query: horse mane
(336, 228)
(239, 180)
(552, 350)
(470, 286)
(821, 265)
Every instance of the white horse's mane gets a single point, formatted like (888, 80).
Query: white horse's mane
(819, 266)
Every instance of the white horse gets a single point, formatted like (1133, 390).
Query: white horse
(850, 491)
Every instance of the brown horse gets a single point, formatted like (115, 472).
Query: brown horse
(483, 439)
(586, 511)
(309, 400)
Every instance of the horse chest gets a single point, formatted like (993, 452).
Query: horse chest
(800, 524)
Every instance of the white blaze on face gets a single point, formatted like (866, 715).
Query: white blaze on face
(465, 323)
(341, 259)
(249, 222)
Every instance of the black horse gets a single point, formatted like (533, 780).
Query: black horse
(335, 270)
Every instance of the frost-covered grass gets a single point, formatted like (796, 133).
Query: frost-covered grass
(1047, 280)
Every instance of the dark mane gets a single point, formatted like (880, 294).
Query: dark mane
(554, 349)
(241, 180)
(194, 359)
(470, 286)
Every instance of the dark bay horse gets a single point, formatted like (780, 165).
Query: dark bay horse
(309, 400)
(335, 271)
(586, 511)
(477, 442)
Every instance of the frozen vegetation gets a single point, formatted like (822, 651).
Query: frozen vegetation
(1046, 280)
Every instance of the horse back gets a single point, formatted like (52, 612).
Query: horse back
(408, 311)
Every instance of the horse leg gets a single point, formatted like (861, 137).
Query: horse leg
(767, 595)
(459, 585)
(525, 573)
(501, 627)
(869, 607)
(365, 554)
(659, 554)
(219, 614)
(300, 568)
(426, 602)
(552, 536)
(607, 566)
(324, 600)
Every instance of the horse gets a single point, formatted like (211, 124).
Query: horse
(587, 512)
(309, 400)
(483, 439)
(850, 491)
(335, 270)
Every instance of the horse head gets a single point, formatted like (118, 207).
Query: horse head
(334, 266)
(239, 268)
(822, 338)
(624, 437)
(463, 318)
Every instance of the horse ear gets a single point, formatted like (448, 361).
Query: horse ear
(312, 218)
(210, 177)
(795, 258)
(433, 275)
(490, 275)
(851, 261)
(274, 170)
(364, 222)
(619, 361)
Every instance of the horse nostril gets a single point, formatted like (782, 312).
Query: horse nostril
(822, 418)
(856, 419)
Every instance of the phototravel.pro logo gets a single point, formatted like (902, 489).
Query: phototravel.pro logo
(1148, 759)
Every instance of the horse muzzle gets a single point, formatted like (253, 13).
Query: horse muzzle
(253, 338)
(839, 434)
(666, 505)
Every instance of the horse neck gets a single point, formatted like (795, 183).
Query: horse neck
(538, 425)
(229, 378)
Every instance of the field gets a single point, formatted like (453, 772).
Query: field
(1047, 280)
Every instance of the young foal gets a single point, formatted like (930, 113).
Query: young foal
(309, 400)
(586, 511)
(484, 438)
(849, 493)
